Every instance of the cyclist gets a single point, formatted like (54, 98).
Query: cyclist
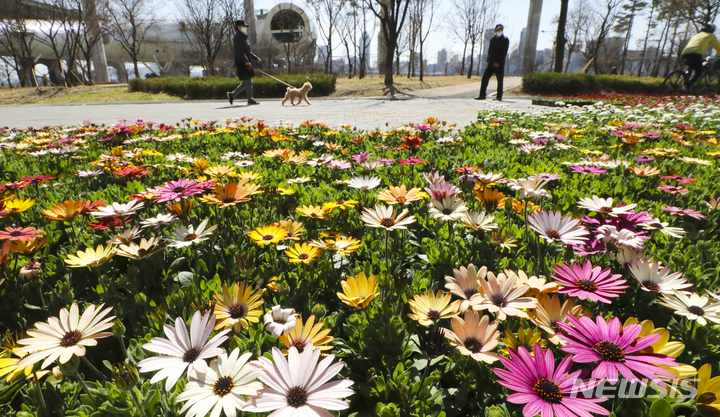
(692, 55)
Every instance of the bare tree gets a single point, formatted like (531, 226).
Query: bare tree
(427, 11)
(57, 36)
(602, 23)
(211, 23)
(560, 39)
(651, 24)
(17, 38)
(699, 12)
(129, 23)
(577, 26)
(327, 13)
(391, 14)
(461, 23)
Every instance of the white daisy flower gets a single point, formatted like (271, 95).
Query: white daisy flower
(530, 187)
(655, 278)
(553, 228)
(119, 210)
(127, 236)
(385, 217)
(298, 386)
(89, 173)
(664, 227)
(479, 221)
(224, 387)
(364, 183)
(604, 206)
(159, 220)
(186, 236)
(693, 306)
(62, 338)
(181, 351)
(448, 209)
(279, 321)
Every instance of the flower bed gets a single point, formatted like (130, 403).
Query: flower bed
(494, 270)
(633, 100)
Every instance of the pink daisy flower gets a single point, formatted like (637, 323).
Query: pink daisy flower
(673, 189)
(412, 161)
(584, 281)
(680, 179)
(178, 190)
(545, 389)
(617, 349)
(587, 169)
(442, 189)
(20, 233)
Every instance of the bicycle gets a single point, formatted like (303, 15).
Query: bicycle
(679, 81)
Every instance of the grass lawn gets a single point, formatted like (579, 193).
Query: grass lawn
(368, 87)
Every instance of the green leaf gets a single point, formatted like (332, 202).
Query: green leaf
(185, 278)
(661, 408)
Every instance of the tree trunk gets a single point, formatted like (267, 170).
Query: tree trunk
(472, 52)
(135, 67)
(410, 64)
(560, 38)
(389, 59)
(661, 50)
(647, 35)
(422, 67)
(462, 64)
(627, 39)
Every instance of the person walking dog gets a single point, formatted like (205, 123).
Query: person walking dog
(497, 52)
(243, 63)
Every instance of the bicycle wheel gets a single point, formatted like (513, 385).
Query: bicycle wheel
(708, 84)
(674, 82)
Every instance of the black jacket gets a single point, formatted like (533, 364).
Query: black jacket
(243, 52)
(497, 52)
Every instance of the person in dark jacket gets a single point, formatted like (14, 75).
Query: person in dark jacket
(243, 63)
(497, 52)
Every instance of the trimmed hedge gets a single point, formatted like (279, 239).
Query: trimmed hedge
(566, 84)
(217, 87)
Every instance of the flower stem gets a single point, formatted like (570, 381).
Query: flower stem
(136, 400)
(40, 396)
(84, 387)
(422, 382)
(93, 368)
(387, 265)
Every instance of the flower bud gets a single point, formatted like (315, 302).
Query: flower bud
(118, 329)
(283, 288)
(57, 373)
(319, 310)
(496, 411)
(69, 367)
(125, 376)
(66, 293)
(31, 270)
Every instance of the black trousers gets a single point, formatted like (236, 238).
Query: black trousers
(695, 63)
(489, 71)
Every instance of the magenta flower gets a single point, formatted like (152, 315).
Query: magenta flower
(678, 178)
(643, 159)
(584, 281)
(178, 190)
(542, 176)
(587, 169)
(412, 161)
(361, 157)
(37, 179)
(339, 164)
(617, 349)
(676, 211)
(386, 161)
(673, 189)
(651, 135)
(545, 389)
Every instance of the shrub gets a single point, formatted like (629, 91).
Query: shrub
(555, 83)
(216, 87)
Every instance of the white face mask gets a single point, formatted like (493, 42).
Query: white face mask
(243, 30)
(498, 33)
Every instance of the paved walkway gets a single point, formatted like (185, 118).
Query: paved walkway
(364, 113)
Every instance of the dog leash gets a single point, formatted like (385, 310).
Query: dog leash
(278, 80)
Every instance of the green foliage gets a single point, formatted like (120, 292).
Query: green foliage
(558, 83)
(217, 87)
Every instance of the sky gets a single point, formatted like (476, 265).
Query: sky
(512, 14)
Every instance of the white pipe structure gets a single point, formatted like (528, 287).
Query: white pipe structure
(169, 41)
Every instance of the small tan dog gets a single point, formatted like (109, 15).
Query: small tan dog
(297, 93)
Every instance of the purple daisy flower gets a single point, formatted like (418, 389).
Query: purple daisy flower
(584, 281)
(361, 157)
(673, 189)
(386, 161)
(617, 349)
(545, 389)
(587, 169)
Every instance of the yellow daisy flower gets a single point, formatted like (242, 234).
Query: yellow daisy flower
(302, 253)
(235, 309)
(664, 347)
(358, 291)
(401, 195)
(429, 307)
(268, 235)
(91, 257)
(708, 392)
(29, 247)
(310, 332)
(19, 205)
(491, 199)
(295, 230)
(9, 359)
(525, 337)
(315, 212)
(221, 171)
(66, 211)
